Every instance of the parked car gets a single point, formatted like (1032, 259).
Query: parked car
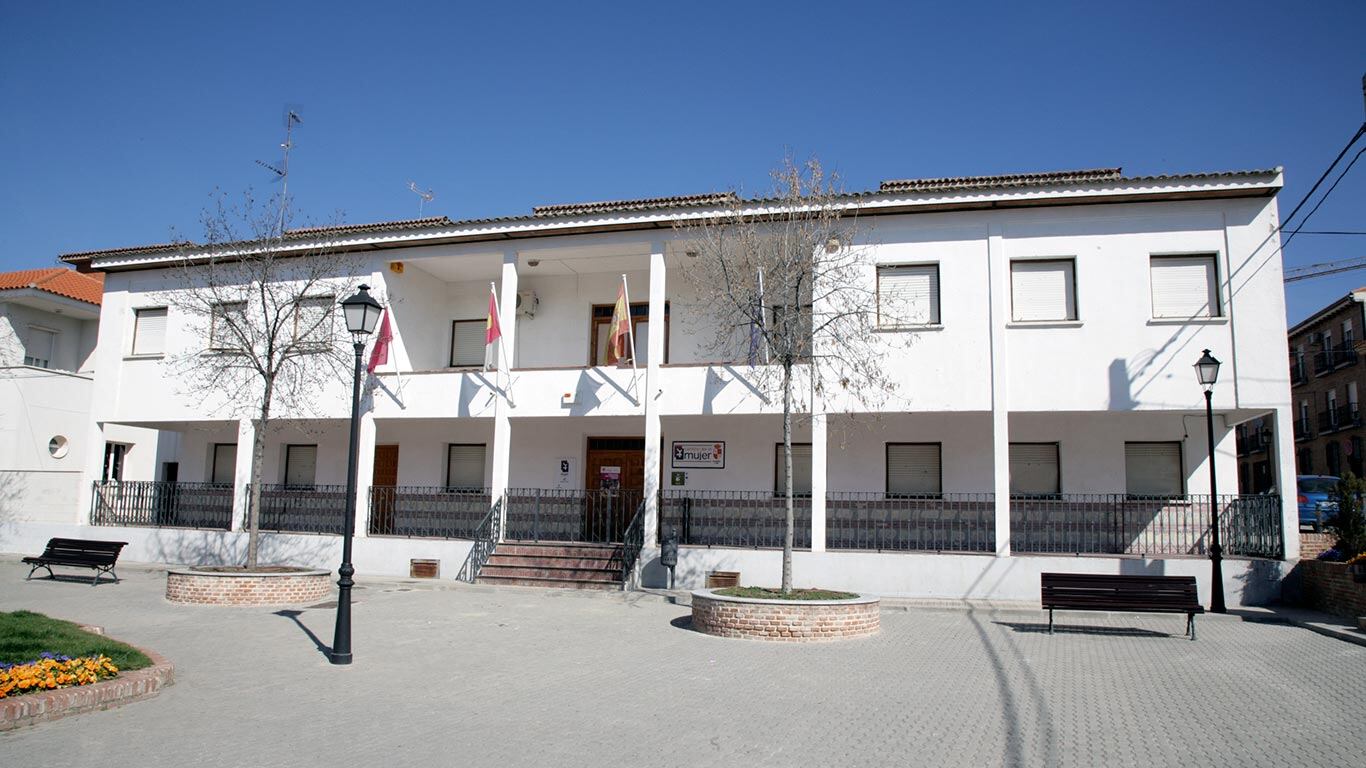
(1316, 500)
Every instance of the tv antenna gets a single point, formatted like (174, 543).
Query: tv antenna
(282, 172)
(422, 197)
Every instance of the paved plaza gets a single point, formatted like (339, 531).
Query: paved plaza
(503, 676)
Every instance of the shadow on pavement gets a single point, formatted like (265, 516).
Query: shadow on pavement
(1063, 629)
(294, 616)
(682, 622)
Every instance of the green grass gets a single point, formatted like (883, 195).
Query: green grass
(764, 593)
(24, 635)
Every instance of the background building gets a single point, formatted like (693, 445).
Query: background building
(1327, 380)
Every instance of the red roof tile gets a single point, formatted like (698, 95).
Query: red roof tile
(88, 288)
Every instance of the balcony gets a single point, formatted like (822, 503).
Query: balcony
(1256, 441)
(1342, 355)
(1303, 430)
(1298, 374)
(1339, 417)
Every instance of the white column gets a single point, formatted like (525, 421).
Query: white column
(246, 438)
(818, 478)
(502, 421)
(652, 392)
(365, 471)
(1283, 475)
(998, 270)
(94, 468)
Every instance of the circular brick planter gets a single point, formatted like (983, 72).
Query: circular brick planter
(797, 621)
(287, 587)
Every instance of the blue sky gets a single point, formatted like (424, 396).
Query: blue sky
(120, 119)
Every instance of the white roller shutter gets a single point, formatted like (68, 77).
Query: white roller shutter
(1153, 469)
(1034, 468)
(801, 470)
(149, 331)
(908, 295)
(224, 463)
(465, 466)
(301, 465)
(914, 469)
(467, 343)
(1042, 290)
(1184, 286)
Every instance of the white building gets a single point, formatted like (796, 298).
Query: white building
(1048, 415)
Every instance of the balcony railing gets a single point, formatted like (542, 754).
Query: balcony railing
(1339, 417)
(1118, 524)
(558, 514)
(302, 509)
(749, 519)
(427, 511)
(1298, 374)
(1253, 442)
(951, 522)
(1339, 356)
(1303, 430)
(162, 504)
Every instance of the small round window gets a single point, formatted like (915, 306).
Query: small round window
(58, 447)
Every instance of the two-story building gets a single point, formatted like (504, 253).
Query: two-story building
(1047, 414)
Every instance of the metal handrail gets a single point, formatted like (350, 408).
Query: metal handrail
(632, 541)
(485, 541)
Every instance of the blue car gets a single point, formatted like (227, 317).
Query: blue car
(1316, 501)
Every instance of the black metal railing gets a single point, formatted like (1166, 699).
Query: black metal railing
(162, 504)
(1339, 356)
(750, 519)
(485, 541)
(1303, 429)
(950, 522)
(302, 509)
(427, 511)
(1145, 526)
(560, 514)
(632, 541)
(1298, 375)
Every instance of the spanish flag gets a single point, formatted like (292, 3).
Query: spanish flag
(492, 331)
(619, 332)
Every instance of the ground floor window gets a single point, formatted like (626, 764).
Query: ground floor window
(1034, 469)
(914, 469)
(1153, 469)
(301, 465)
(465, 466)
(224, 470)
(801, 470)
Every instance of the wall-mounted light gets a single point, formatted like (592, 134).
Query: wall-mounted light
(533, 262)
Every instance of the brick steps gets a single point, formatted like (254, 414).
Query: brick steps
(564, 565)
(509, 581)
(538, 571)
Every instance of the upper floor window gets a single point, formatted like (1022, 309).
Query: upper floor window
(227, 325)
(1042, 290)
(149, 331)
(907, 295)
(1185, 286)
(1347, 336)
(40, 347)
(467, 342)
(313, 320)
(640, 330)
(914, 469)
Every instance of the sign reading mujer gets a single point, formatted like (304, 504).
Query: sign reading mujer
(700, 455)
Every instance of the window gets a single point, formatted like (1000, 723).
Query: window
(301, 465)
(1304, 415)
(467, 342)
(224, 464)
(313, 320)
(801, 470)
(113, 462)
(1352, 398)
(1153, 469)
(1043, 290)
(41, 345)
(465, 467)
(1347, 333)
(170, 471)
(1306, 462)
(1334, 455)
(1034, 469)
(640, 328)
(149, 331)
(1331, 402)
(227, 323)
(1185, 286)
(913, 469)
(907, 295)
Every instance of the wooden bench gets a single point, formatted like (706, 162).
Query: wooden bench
(1103, 592)
(80, 553)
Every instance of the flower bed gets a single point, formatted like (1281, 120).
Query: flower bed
(53, 671)
(787, 620)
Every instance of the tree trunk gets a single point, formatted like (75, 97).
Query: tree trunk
(787, 462)
(258, 454)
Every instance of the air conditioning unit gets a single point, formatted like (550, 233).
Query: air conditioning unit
(527, 303)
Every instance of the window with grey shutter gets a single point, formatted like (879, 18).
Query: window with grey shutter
(313, 320)
(913, 469)
(40, 347)
(1043, 290)
(467, 343)
(224, 463)
(1034, 469)
(465, 467)
(149, 331)
(801, 470)
(301, 465)
(1153, 469)
(1185, 286)
(907, 295)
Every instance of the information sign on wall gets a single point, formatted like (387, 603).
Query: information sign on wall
(699, 455)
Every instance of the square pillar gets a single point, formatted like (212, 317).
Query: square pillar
(365, 471)
(1283, 475)
(94, 468)
(502, 412)
(998, 286)
(246, 437)
(818, 480)
(651, 394)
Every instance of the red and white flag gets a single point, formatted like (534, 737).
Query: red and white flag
(619, 331)
(380, 354)
(492, 331)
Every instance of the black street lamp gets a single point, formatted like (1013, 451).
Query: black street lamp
(362, 313)
(1207, 372)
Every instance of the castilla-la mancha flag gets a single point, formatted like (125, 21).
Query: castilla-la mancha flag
(619, 332)
(380, 354)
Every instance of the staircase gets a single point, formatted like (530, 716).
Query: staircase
(557, 564)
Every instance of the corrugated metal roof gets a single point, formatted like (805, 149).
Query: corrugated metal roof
(61, 281)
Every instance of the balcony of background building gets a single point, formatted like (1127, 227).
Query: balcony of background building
(1298, 374)
(1341, 355)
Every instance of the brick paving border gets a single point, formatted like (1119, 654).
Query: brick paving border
(30, 708)
(794, 621)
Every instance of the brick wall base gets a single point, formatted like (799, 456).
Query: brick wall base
(1329, 587)
(1312, 544)
(30, 708)
(184, 585)
(797, 621)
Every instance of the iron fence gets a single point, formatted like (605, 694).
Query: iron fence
(750, 519)
(298, 509)
(162, 504)
(950, 522)
(560, 514)
(1146, 526)
(427, 511)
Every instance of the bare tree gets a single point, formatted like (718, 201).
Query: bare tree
(260, 312)
(786, 286)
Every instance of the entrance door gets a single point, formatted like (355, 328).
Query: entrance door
(382, 490)
(615, 483)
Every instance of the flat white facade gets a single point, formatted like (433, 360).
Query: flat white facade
(1066, 321)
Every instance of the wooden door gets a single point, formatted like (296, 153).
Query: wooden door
(615, 481)
(382, 491)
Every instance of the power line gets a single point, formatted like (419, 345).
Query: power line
(1312, 190)
(1327, 193)
(1330, 232)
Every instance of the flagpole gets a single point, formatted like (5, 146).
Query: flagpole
(763, 318)
(630, 331)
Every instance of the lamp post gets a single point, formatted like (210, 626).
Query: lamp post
(362, 313)
(1207, 372)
